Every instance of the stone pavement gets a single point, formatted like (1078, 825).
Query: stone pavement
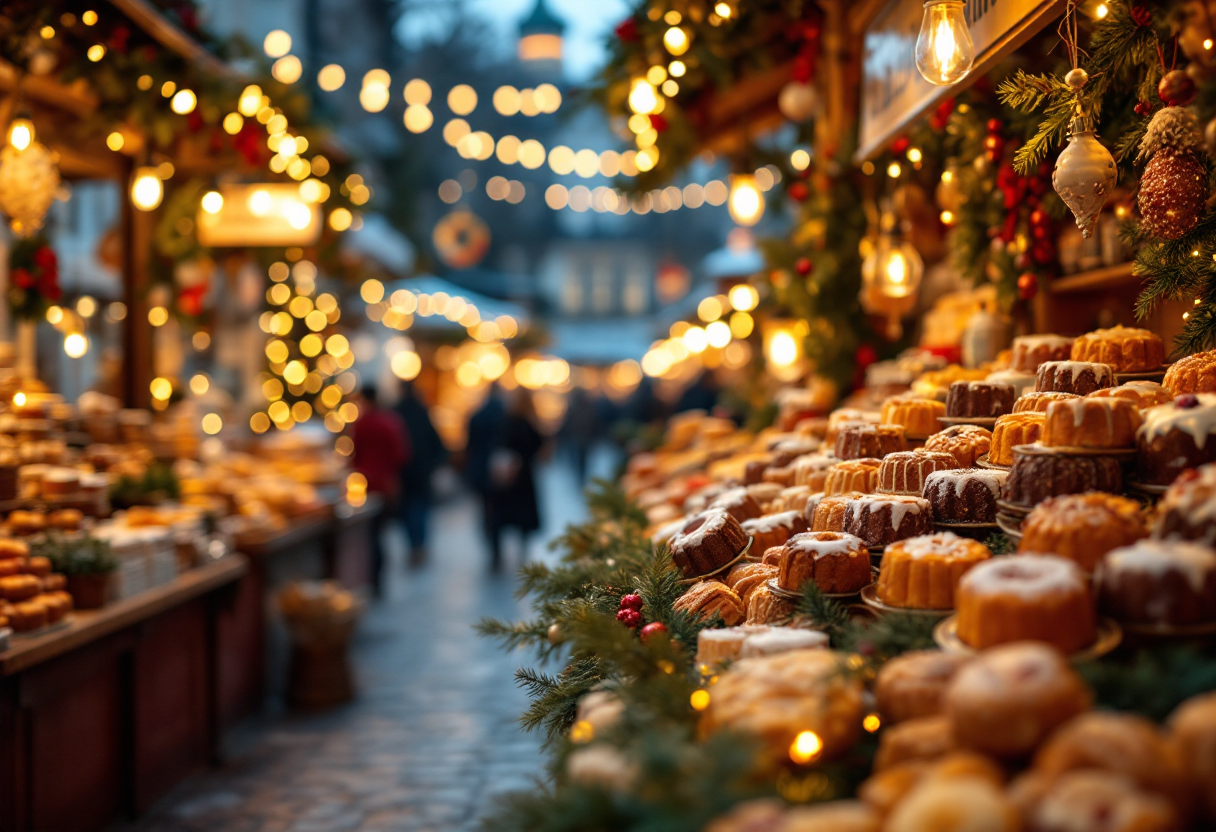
(432, 736)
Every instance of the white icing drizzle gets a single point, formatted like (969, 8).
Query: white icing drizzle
(1075, 368)
(1156, 557)
(1116, 331)
(782, 640)
(713, 520)
(1194, 498)
(900, 505)
(1031, 342)
(1029, 576)
(943, 545)
(1197, 422)
(823, 544)
(958, 479)
(771, 522)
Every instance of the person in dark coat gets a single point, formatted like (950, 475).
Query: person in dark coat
(581, 430)
(381, 448)
(511, 498)
(485, 428)
(428, 456)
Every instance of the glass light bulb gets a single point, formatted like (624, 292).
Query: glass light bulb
(21, 133)
(745, 203)
(944, 50)
(642, 97)
(147, 190)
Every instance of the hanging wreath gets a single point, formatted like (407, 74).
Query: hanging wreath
(461, 239)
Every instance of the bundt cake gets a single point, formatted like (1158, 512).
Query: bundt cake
(852, 475)
(979, 399)
(1188, 509)
(773, 529)
(706, 543)
(1079, 377)
(1029, 351)
(1083, 527)
(738, 503)
(869, 441)
(707, 598)
(837, 563)
(1027, 597)
(904, 472)
(829, 513)
(1037, 402)
(1036, 476)
(1020, 382)
(966, 443)
(922, 572)
(1143, 394)
(1155, 582)
(1126, 349)
(812, 469)
(1013, 430)
(964, 495)
(880, 519)
(1175, 437)
(913, 684)
(1091, 423)
(917, 416)
(848, 416)
(1192, 374)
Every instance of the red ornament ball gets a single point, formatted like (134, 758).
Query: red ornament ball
(994, 125)
(652, 629)
(1142, 108)
(1177, 89)
(1028, 286)
(631, 602)
(900, 145)
(1039, 217)
(799, 191)
(804, 266)
(630, 618)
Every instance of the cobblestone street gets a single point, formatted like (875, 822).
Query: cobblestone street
(432, 736)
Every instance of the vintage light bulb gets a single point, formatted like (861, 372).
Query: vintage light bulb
(21, 132)
(642, 97)
(894, 268)
(147, 190)
(944, 49)
(745, 203)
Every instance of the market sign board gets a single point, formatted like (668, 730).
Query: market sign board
(261, 214)
(893, 92)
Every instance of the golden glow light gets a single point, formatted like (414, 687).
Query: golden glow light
(212, 424)
(86, 306)
(158, 316)
(676, 41)
(161, 389)
(75, 345)
(96, 52)
(54, 315)
(695, 339)
(418, 118)
(20, 133)
(741, 324)
(276, 44)
(676, 69)
(199, 384)
(212, 202)
(287, 69)
(718, 334)
(250, 101)
(331, 77)
(462, 99)
(783, 349)
(944, 49)
(699, 700)
(746, 202)
(709, 309)
(115, 141)
(743, 297)
(147, 189)
(642, 97)
(183, 102)
(806, 747)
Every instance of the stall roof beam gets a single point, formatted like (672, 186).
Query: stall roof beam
(144, 15)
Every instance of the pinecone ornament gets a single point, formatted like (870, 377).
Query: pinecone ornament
(1174, 185)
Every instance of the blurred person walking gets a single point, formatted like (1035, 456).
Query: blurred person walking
(428, 456)
(382, 447)
(485, 428)
(511, 500)
(581, 430)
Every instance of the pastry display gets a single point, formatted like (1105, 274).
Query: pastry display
(774, 640)
(811, 470)
(1143, 394)
(1013, 430)
(1021, 382)
(1038, 402)
(1078, 377)
(745, 577)
(1083, 527)
(915, 740)
(904, 472)
(707, 543)
(1176, 436)
(1192, 374)
(845, 416)
(1027, 597)
(724, 644)
(964, 495)
(828, 515)
(1126, 349)
(774, 529)
(738, 503)
(765, 607)
(979, 399)
(917, 416)
(913, 685)
(966, 443)
(1008, 699)
(836, 563)
(933, 384)
(793, 498)
(1193, 729)
(1029, 351)
(1091, 423)
(1098, 801)
(1187, 511)
(1158, 583)
(709, 598)
(880, 519)
(923, 572)
(852, 475)
(869, 441)
(1036, 476)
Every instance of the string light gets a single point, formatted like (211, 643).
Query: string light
(21, 133)
(806, 747)
(944, 49)
(147, 189)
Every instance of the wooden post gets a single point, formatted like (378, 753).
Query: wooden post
(137, 332)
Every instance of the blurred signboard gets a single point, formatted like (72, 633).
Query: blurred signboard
(262, 214)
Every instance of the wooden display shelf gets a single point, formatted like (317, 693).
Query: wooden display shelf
(1095, 280)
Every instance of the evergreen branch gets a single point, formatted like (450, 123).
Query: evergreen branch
(889, 636)
(821, 612)
(555, 698)
(1154, 682)
(1000, 543)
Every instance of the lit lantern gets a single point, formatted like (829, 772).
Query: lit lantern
(21, 132)
(944, 50)
(746, 202)
(783, 352)
(147, 189)
(890, 279)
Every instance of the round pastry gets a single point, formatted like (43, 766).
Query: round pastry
(745, 577)
(922, 572)
(19, 587)
(1188, 509)
(1098, 801)
(920, 739)
(1083, 527)
(904, 472)
(27, 615)
(39, 567)
(880, 519)
(1175, 437)
(966, 443)
(707, 598)
(913, 685)
(1029, 351)
(862, 441)
(1091, 423)
(738, 503)
(1078, 377)
(1028, 597)
(917, 416)
(979, 399)
(829, 513)
(26, 522)
(707, 543)
(10, 548)
(837, 563)
(845, 416)
(1126, 349)
(723, 644)
(1010, 698)
(852, 475)
(793, 498)
(67, 519)
(964, 804)
(1123, 743)
(774, 529)
(1012, 430)
(1020, 382)
(934, 383)
(1192, 374)
(1159, 583)
(964, 495)
(57, 604)
(1038, 402)
(1035, 477)
(1143, 394)
(764, 493)
(54, 582)
(884, 790)
(774, 640)
(763, 607)
(812, 469)
(1193, 728)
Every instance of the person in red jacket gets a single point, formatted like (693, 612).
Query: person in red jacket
(382, 448)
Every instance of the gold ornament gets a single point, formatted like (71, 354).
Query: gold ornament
(28, 182)
(1085, 175)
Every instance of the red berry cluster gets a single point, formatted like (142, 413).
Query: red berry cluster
(630, 614)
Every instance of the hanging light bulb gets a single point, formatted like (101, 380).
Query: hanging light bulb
(147, 190)
(642, 97)
(890, 279)
(944, 50)
(21, 132)
(746, 202)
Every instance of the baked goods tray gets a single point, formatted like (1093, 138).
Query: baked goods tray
(845, 597)
(1011, 526)
(869, 596)
(1157, 375)
(982, 462)
(1039, 449)
(1148, 488)
(945, 634)
(1013, 509)
(721, 569)
(963, 526)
